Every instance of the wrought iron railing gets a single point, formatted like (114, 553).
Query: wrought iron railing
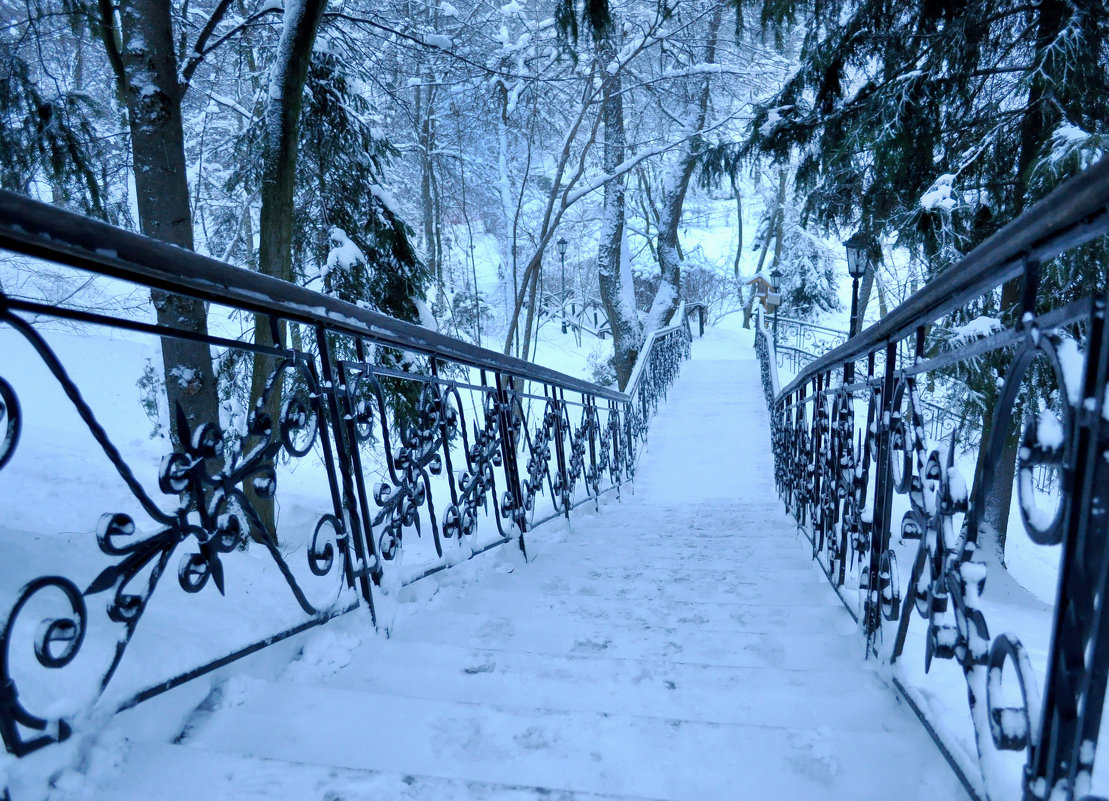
(439, 452)
(800, 342)
(866, 481)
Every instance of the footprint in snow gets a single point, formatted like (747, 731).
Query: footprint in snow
(591, 646)
(473, 670)
(496, 627)
(534, 738)
(814, 754)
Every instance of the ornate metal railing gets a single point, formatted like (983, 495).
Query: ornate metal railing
(866, 482)
(799, 342)
(392, 441)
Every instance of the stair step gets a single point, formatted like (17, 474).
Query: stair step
(633, 687)
(665, 591)
(754, 617)
(560, 637)
(581, 752)
(179, 773)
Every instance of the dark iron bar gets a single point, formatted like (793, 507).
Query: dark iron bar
(843, 478)
(408, 456)
(52, 234)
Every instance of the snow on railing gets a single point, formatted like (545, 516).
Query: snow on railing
(885, 505)
(377, 453)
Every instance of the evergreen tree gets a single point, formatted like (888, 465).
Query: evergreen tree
(935, 122)
(50, 137)
(348, 232)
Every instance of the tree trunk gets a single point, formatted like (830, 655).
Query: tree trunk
(749, 308)
(739, 226)
(531, 313)
(673, 198)
(617, 294)
(866, 289)
(288, 74)
(780, 221)
(427, 185)
(147, 72)
(1038, 123)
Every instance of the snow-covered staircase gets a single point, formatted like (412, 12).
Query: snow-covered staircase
(677, 645)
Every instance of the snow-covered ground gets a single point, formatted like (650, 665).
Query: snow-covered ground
(677, 644)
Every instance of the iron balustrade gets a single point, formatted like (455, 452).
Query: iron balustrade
(799, 342)
(851, 449)
(701, 312)
(484, 436)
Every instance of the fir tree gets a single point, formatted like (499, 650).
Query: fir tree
(935, 122)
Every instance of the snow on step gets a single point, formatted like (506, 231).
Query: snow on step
(171, 773)
(677, 645)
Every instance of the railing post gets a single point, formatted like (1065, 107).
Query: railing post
(883, 501)
(797, 460)
(560, 449)
(348, 512)
(815, 518)
(594, 418)
(1078, 661)
(504, 403)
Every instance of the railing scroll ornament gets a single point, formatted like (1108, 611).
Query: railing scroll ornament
(870, 467)
(485, 437)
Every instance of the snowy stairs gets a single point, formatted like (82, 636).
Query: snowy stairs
(677, 645)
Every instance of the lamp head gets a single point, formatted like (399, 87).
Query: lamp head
(858, 254)
(562, 243)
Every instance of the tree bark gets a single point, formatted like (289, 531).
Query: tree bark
(673, 199)
(866, 289)
(426, 138)
(611, 279)
(1039, 121)
(739, 225)
(146, 69)
(288, 74)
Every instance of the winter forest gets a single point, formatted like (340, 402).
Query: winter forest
(550, 196)
(426, 160)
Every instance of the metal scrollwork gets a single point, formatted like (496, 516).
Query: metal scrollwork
(827, 466)
(357, 390)
(10, 422)
(213, 517)
(411, 463)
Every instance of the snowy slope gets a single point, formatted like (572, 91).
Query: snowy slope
(679, 644)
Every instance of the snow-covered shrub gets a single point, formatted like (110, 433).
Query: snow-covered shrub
(601, 369)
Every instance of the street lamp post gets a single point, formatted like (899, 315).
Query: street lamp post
(562, 243)
(858, 262)
(774, 299)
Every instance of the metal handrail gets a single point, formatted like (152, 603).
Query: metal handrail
(815, 326)
(513, 440)
(643, 359)
(38, 229)
(838, 471)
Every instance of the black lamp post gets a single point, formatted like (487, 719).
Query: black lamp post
(858, 261)
(562, 243)
(774, 299)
